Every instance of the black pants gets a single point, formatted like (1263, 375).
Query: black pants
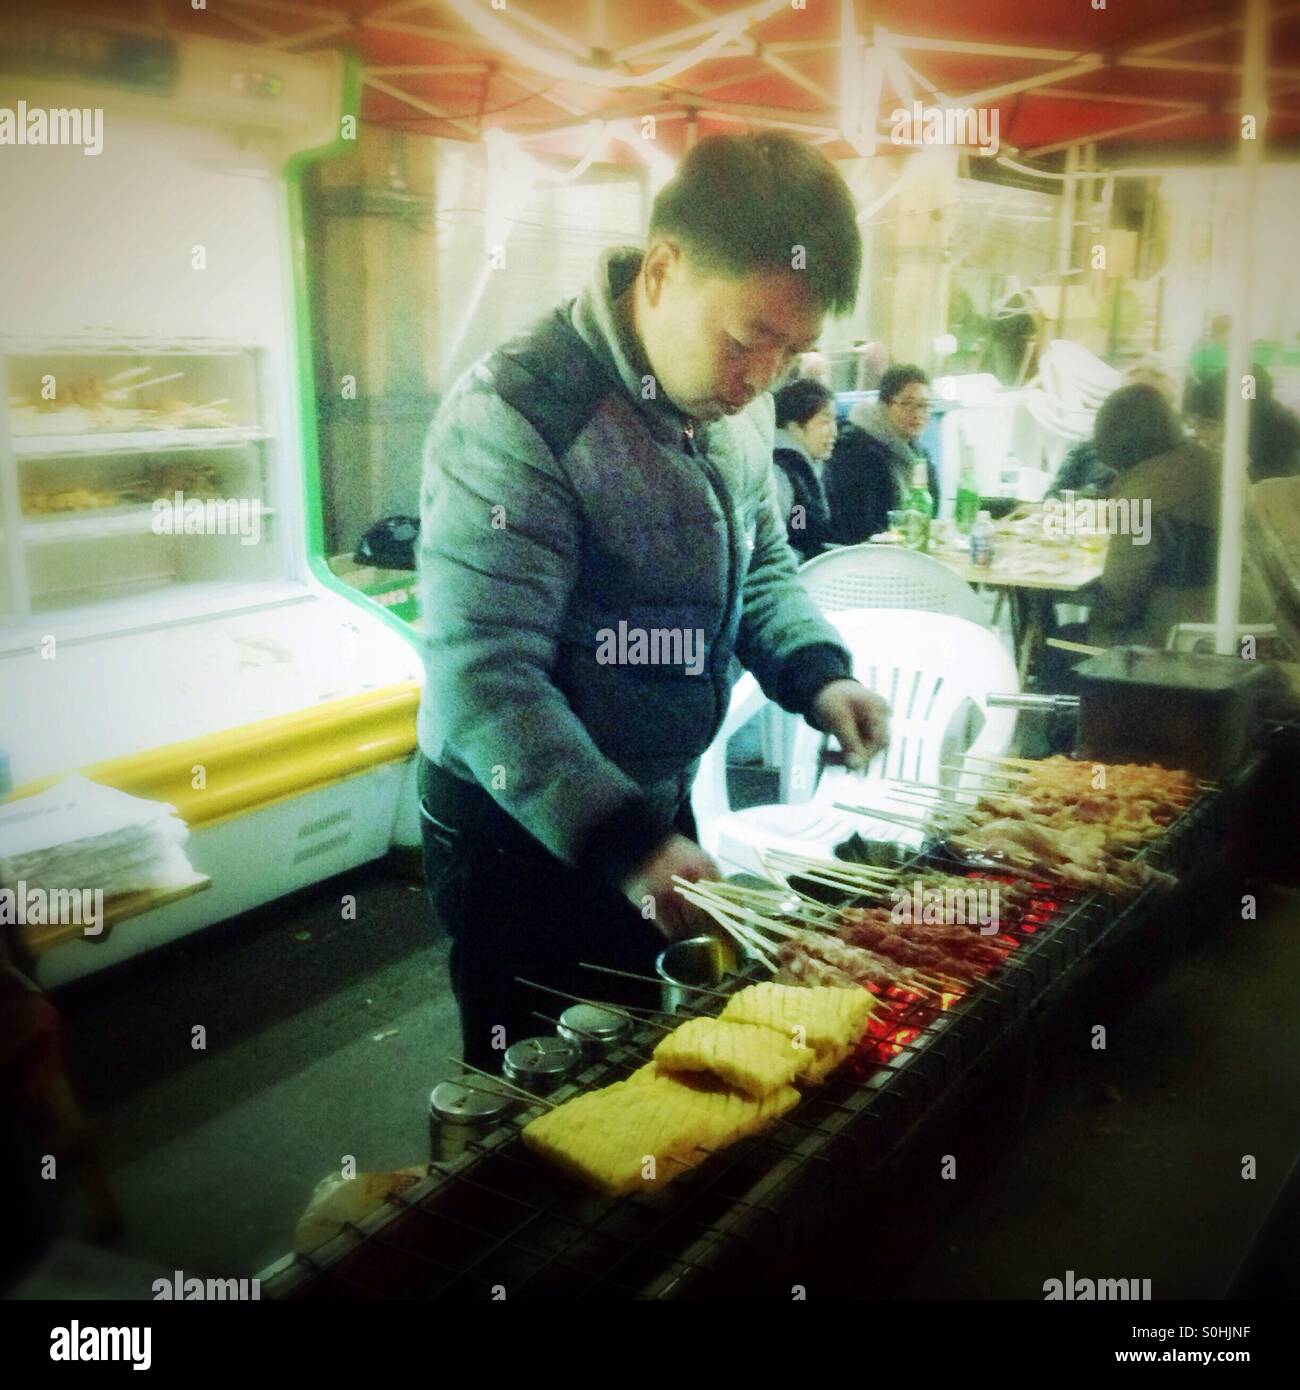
(512, 911)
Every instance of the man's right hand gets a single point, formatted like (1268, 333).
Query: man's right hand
(653, 879)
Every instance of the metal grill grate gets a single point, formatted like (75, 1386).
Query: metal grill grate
(497, 1222)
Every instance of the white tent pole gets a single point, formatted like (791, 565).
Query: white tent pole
(1232, 506)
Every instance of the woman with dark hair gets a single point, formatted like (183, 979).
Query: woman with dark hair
(870, 470)
(1163, 518)
(805, 432)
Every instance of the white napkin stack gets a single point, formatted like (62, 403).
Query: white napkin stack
(81, 834)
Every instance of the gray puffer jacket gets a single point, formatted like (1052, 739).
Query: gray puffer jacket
(565, 510)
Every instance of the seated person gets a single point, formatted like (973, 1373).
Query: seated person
(805, 432)
(1274, 447)
(1161, 572)
(870, 469)
(1082, 473)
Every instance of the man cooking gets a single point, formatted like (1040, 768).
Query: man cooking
(599, 544)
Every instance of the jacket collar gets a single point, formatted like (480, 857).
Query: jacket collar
(872, 419)
(609, 335)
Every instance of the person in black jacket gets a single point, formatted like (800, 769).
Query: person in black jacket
(805, 432)
(870, 469)
(1274, 443)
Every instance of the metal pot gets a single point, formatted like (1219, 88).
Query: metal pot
(698, 960)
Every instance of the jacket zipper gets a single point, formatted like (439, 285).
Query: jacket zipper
(724, 501)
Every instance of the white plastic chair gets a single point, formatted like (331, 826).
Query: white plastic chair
(930, 668)
(869, 576)
(1075, 376)
(888, 576)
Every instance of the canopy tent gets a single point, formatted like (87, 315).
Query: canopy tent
(574, 77)
(1057, 73)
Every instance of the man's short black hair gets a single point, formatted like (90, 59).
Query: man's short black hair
(746, 203)
(800, 401)
(897, 377)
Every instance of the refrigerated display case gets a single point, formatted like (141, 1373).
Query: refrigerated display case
(168, 622)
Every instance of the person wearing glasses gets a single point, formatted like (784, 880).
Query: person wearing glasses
(870, 469)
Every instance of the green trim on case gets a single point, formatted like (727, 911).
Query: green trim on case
(301, 350)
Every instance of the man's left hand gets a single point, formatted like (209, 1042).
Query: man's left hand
(856, 717)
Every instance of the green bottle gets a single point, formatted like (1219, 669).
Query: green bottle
(921, 504)
(968, 499)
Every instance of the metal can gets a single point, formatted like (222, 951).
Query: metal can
(595, 1030)
(458, 1114)
(539, 1065)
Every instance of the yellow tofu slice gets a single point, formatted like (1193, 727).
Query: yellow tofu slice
(819, 1016)
(605, 1139)
(825, 1063)
(754, 1060)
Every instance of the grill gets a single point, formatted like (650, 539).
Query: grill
(497, 1223)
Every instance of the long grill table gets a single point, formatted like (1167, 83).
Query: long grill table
(498, 1223)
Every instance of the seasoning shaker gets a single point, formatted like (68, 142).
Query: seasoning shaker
(459, 1115)
(539, 1065)
(595, 1031)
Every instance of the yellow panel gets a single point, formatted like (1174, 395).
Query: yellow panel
(256, 765)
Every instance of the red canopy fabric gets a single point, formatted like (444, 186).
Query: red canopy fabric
(1167, 74)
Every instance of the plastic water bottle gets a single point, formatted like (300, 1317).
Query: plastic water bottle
(981, 541)
(1009, 479)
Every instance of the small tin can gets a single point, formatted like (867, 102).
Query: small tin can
(594, 1030)
(458, 1115)
(539, 1065)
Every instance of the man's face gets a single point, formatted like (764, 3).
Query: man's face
(909, 411)
(714, 343)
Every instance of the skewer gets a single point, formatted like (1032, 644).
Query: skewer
(845, 886)
(859, 875)
(803, 908)
(948, 790)
(500, 1081)
(846, 866)
(122, 375)
(703, 895)
(891, 817)
(629, 1014)
(153, 381)
(732, 928)
(650, 980)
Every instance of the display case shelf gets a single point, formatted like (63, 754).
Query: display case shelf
(112, 521)
(28, 446)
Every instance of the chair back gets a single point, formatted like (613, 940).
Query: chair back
(888, 576)
(925, 666)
